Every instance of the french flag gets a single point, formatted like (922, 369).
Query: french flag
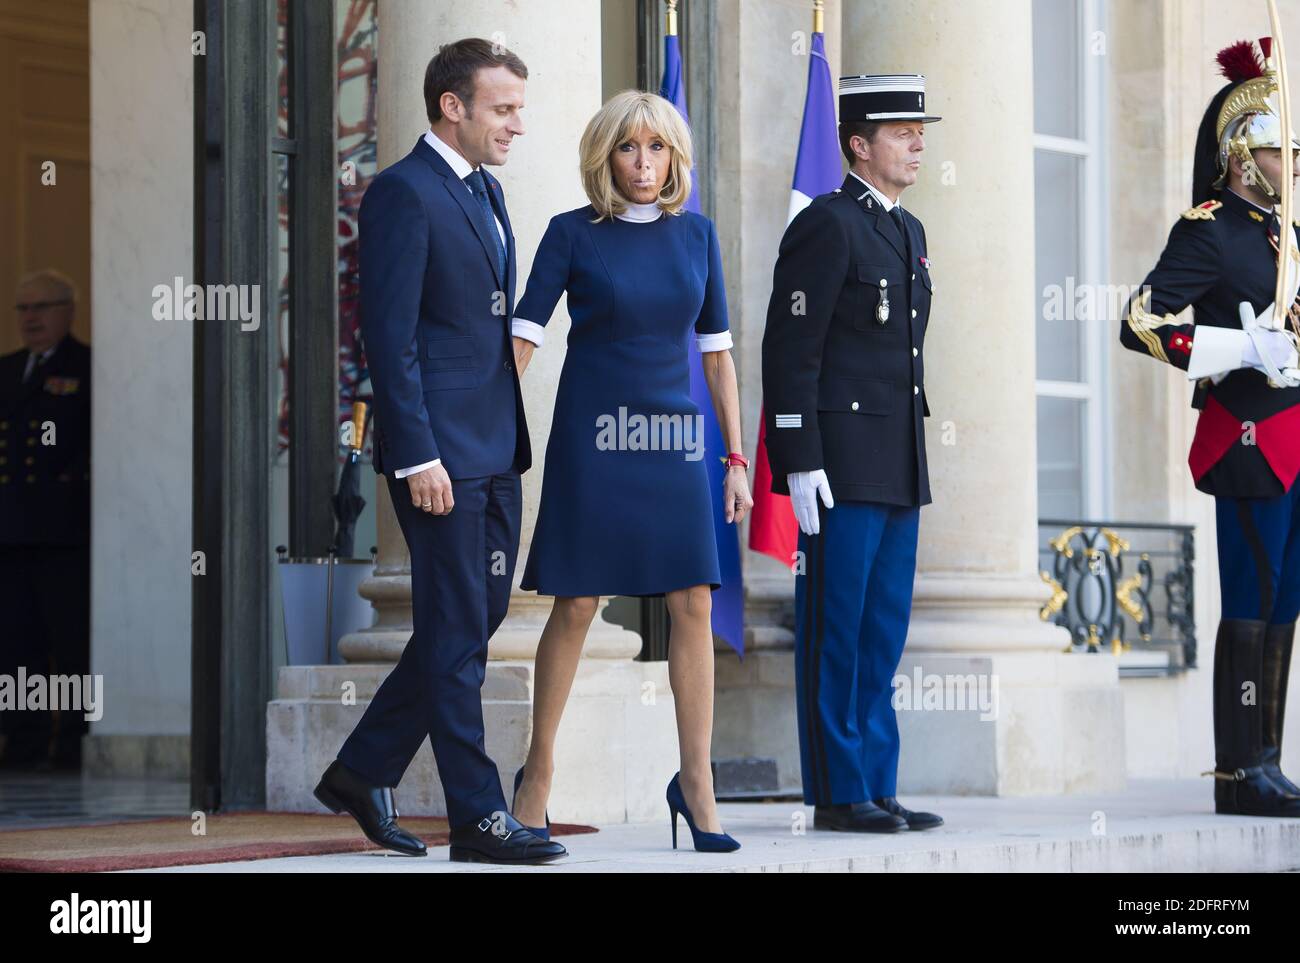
(729, 600)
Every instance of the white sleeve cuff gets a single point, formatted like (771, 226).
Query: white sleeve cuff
(1215, 350)
(403, 472)
(527, 330)
(718, 341)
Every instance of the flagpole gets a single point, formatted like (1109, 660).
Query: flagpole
(819, 8)
(671, 28)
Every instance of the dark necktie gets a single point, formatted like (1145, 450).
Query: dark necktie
(477, 185)
(33, 366)
(896, 213)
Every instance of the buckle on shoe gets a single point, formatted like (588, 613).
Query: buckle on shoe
(497, 824)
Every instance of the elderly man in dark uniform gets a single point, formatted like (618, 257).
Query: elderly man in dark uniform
(1221, 259)
(844, 399)
(45, 516)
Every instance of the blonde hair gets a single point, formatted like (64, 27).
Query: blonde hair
(622, 116)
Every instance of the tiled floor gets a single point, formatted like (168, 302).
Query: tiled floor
(35, 800)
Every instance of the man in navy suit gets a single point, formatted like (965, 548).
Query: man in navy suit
(437, 262)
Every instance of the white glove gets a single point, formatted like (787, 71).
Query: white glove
(805, 486)
(1277, 344)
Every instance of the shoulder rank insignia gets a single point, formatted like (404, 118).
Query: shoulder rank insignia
(1202, 212)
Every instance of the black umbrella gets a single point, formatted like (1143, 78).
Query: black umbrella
(348, 502)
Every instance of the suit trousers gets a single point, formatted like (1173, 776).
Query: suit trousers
(462, 569)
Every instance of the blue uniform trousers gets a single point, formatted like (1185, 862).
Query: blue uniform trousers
(853, 601)
(1259, 557)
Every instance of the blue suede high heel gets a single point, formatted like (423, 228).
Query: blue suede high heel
(537, 831)
(704, 842)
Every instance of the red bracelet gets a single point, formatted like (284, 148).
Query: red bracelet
(735, 458)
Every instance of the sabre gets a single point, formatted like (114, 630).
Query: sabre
(1284, 292)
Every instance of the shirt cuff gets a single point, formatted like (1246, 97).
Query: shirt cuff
(527, 330)
(1215, 350)
(403, 472)
(718, 341)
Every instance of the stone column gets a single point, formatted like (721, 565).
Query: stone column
(761, 66)
(1056, 721)
(617, 743)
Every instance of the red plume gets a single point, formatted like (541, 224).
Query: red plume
(1239, 62)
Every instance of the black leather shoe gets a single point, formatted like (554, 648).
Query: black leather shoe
(1242, 786)
(371, 806)
(500, 838)
(914, 820)
(859, 817)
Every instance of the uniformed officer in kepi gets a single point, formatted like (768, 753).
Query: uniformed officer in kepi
(1221, 259)
(844, 399)
(45, 517)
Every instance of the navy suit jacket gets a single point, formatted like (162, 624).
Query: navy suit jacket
(435, 321)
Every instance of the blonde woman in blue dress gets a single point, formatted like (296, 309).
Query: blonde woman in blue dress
(643, 277)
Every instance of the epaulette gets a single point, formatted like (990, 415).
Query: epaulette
(1202, 212)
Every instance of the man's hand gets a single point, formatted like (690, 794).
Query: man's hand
(523, 353)
(805, 486)
(431, 490)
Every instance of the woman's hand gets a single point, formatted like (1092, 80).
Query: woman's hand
(735, 494)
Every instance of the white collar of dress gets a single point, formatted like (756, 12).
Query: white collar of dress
(641, 212)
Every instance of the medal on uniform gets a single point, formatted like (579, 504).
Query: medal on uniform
(882, 309)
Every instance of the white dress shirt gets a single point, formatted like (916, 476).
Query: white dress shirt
(31, 360)
(885, 202)
(460, 167)
(636, 214)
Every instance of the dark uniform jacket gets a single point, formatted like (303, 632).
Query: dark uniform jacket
(1247, 441)
(843, 379)
(44, 488)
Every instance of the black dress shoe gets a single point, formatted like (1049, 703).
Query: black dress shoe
(500, 838)
(859, 817)
(914, 820)
(371, 806)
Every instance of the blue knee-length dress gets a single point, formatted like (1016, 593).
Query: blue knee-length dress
(626, 505)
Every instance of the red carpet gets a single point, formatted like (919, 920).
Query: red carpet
(152, 843)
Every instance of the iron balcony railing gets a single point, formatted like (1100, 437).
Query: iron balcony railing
(1121, 587)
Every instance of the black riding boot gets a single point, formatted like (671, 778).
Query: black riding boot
(1241, 786)
(1277, 666)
